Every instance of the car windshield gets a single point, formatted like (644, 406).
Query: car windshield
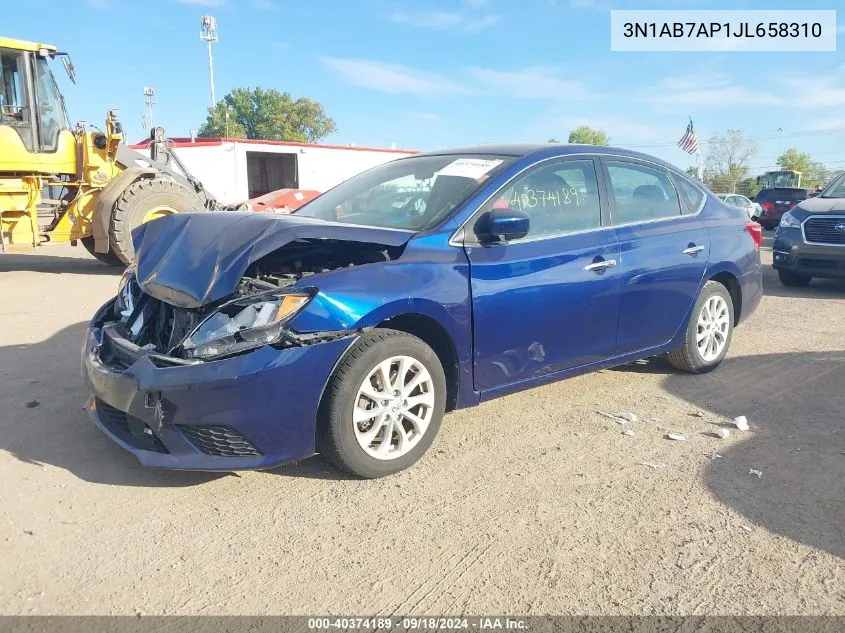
(410, 193)
(836, 189)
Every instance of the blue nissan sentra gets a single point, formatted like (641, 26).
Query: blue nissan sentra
(423, 285)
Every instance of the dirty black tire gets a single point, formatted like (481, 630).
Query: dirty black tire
(336, 438)
(107, 258)
(687, 357)
(136, 201)
(793, 280)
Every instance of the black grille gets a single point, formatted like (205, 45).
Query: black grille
(824, 230)
(822, 263)
(128, 428)
(219, 441)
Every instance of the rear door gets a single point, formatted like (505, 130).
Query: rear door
(664, 251)
(550, 300)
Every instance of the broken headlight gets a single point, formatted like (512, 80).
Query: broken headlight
(242, 325)
(128, 293)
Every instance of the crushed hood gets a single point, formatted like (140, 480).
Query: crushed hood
(191, 259)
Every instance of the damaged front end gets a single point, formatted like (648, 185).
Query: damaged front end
(272, 291)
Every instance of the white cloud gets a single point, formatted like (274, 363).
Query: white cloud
(445, 20)
(393, 78)
(536, 82)
(717, 90)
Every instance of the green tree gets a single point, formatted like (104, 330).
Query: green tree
(268, 115)
(586, 135)
(812, 172)
(747, 187)
(553, 140)
(727, 161)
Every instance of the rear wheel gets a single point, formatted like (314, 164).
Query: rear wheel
(383, 406)
(709, 331)
(793, 279)
(142, 201)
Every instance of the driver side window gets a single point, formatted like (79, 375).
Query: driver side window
(559, 198)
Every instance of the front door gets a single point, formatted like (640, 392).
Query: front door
(664, 253)
(550, 300)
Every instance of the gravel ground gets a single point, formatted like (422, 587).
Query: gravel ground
(531, 504)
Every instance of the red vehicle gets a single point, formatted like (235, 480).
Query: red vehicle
(776, 201)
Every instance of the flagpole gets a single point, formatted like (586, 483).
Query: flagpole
(699, 165)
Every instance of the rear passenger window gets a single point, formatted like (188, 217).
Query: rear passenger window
(641, 193)
(692, 195)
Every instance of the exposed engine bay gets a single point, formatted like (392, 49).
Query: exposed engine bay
(253, 316)
(307, 257)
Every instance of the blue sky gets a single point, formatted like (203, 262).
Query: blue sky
(439, 73)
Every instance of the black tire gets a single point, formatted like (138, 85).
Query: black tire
(336, 438)
(136, 201)
(107, 258)
(687, 357)
(793, 280)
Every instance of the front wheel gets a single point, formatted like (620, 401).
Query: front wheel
(709, 331)
(383, 406)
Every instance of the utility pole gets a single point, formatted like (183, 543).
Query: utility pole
(208, 34)
(780, 130)
(149, 99)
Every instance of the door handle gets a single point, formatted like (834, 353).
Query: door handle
(600, 266)
(693, 250)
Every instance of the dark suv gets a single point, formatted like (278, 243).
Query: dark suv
(810, 240)
(776, 201)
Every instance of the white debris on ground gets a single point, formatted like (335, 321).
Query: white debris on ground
(653, 465)
(677, 437)
(621, 417)
(628, 432)
(757, 473)
(723, 433)
(741, 422)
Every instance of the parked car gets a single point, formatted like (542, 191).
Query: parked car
(752, 209)
(775, 202)
(250, 340)
(810, 240)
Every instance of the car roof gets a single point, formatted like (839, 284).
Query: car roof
(549, 150)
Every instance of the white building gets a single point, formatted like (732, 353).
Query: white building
(234, 170)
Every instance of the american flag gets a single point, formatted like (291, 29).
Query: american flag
(689, 141)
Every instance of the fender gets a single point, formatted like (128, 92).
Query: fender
(107, 200)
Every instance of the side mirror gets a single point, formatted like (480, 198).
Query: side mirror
(504, 224)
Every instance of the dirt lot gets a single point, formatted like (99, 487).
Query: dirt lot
(531, 504)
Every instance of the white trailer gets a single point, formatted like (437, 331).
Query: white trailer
(234, 170)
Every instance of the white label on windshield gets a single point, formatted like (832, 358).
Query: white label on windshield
(469, 167)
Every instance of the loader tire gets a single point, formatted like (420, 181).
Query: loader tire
(107, 258)
(139, 200)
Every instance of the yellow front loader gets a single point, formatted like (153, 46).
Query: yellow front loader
(59, 184)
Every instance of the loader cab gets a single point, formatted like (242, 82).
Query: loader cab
(34, 128)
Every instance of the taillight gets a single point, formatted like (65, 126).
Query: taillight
(767, 206)
(756, 233)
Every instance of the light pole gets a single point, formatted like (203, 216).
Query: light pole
(208, 34)
(149, 94)
(780, 130)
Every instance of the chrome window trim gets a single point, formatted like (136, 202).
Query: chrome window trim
(456, 239)
(813, 217)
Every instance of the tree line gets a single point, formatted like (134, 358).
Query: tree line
(727, 162)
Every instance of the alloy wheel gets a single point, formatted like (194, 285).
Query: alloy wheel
(713, 327)
(393, 407)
